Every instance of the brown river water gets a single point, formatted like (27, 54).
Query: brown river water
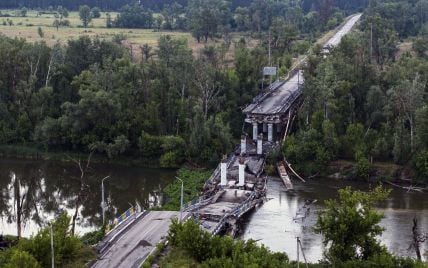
(49, 188)
(272, 223)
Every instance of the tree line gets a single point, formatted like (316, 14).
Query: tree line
(209, 19)
(90, 96)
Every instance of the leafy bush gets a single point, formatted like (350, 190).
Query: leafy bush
(94, 237)
(421, 165)
(150, 146)
(19, 258)
(68, 247)
(216, 251)
(170, 160)
(193, 182)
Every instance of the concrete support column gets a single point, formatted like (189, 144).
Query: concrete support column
(264, 127)
(223, 173)
(243, 144)
(270, 131)
(241, 172)
(260, 144)
(255, 130)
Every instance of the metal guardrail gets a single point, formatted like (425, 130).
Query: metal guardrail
(125, 215)
(237, 212)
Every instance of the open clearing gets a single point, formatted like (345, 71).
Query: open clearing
(27, 27)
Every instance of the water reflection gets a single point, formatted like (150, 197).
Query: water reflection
(34, 192)
(272, 224)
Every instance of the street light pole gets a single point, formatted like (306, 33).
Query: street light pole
(181, 198)
(103, 204)
(52, 246)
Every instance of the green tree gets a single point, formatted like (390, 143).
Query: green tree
(350, 225)
(109, 21)
(67, 247)
(21, 259)
(96, 12)
(40, 32)
(207, 17)
(135, 16)
(23, 12)
(85, 15)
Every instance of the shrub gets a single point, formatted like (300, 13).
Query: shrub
(216, 251)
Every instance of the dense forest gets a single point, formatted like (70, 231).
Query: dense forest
(158, 5)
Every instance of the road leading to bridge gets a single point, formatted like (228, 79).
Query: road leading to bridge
(133, 247)
(335, 40)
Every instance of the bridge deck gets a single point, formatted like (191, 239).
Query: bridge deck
(335, 40)
(279, 99)
(132, 247)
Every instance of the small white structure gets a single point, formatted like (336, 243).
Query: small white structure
(241, 172)
(270, 131)
(223, 173)
(243, 144)
(255, 131)
(260, 144)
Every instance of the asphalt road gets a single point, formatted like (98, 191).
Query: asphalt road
(335, 40)
(133, 247)
(278, 98)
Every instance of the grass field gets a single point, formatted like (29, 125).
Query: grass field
(27, 27)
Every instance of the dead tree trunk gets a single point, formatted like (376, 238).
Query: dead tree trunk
(418, 238)
(79, 198)
(17, 187)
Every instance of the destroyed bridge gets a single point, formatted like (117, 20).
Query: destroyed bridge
(239, 184)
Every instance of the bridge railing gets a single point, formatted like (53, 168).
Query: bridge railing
(133, 210)
(244, 206)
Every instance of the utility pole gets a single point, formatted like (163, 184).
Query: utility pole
(181, 198)
(52, 246)
(371, 41)
(298, 259)
(269, 42)
(299, 245)
(103, 203)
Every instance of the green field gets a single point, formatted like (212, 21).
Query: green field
(27, 27)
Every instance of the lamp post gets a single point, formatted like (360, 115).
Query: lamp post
(103, 204)
(52, 246)
(181, 198)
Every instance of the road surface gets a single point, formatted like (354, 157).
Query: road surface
(280, 98)
(335, 40)
(135, 245)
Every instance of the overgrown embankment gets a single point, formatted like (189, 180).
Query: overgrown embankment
(193, 182)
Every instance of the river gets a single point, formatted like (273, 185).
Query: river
(272, 223)
(49, 188)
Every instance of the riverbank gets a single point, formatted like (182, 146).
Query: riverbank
(34, 153)
(400, 176)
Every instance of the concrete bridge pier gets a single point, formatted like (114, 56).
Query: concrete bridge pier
(223, 173)
(270, 132)
(241, 172)
(255, 130)
(260, 144)
(243, 144)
